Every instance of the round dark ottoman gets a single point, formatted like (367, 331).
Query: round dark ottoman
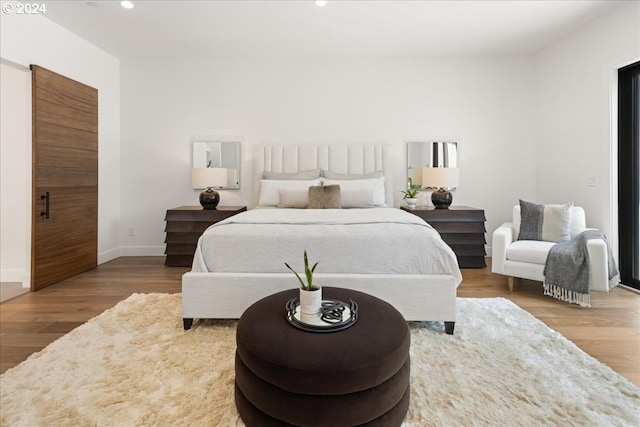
(357, 376)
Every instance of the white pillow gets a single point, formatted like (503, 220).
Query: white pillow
(270, 189)
(373, 187)
(291, 197)
(353, 198)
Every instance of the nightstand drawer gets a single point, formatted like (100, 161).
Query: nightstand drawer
(468, 250)
(453, 214)
(462, 228)
(458, 227)
(178, 260)
(461, 238)
(185, 226)
(181, 249)
(472, 262)
(175, 237)
(198, 214)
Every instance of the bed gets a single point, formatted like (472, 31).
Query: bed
(364, 244)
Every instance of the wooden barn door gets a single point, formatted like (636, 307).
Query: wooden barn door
(65, 178)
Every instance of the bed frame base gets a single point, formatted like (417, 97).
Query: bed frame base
(226, 295)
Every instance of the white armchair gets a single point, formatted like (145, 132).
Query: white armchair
(526, 258)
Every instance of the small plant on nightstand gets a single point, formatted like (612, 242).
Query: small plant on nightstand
(411, 196)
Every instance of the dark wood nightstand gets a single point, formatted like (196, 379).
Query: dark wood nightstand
(462, 228)
(185, 225)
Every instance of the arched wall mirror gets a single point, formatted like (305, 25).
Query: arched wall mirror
(219, 154)
(428, 155)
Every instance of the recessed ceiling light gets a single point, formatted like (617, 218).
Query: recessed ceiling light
(126, 4)
(321, 2)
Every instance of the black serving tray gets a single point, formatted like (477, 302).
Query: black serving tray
(334, 316)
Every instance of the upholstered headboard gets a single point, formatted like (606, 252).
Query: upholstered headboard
(339, 158)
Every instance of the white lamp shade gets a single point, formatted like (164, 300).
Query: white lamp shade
(416, 176)
(209, 177)
(440, 177)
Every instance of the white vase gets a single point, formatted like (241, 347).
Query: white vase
(310, 301)
(412, 201)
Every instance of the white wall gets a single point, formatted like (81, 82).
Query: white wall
(15, 182)
(575, 89)
(483, 103)
(30, 39)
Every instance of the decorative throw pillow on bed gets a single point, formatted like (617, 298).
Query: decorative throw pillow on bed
(548, 223)
(325, 197)
(297, 198)
(270, 189)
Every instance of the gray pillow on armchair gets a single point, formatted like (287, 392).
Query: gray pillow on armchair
(548, 223)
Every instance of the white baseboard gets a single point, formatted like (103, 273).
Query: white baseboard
(142, 250)
(130, 251)
(15, 275)
(109, 255)
(629, 288)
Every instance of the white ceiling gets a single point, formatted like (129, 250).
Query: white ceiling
(342, 28)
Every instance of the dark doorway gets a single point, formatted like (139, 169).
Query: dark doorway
(629, 173)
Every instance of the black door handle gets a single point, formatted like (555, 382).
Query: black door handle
(45, 212)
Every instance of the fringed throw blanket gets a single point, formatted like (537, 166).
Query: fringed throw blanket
(566, 272)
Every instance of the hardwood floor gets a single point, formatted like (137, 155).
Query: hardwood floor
(609, 330)
(10, 290)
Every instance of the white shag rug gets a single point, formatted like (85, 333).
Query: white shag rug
(135, 366)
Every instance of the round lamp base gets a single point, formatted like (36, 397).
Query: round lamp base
(441, 198)
(209, 198)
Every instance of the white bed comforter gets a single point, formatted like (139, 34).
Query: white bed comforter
(365, 241)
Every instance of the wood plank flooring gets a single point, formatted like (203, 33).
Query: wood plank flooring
(609, 330)
(10, 290)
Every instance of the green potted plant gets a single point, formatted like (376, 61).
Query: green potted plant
(310, 293)
(411, 196)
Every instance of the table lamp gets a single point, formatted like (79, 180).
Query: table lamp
(441, 180)
(209, 178)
